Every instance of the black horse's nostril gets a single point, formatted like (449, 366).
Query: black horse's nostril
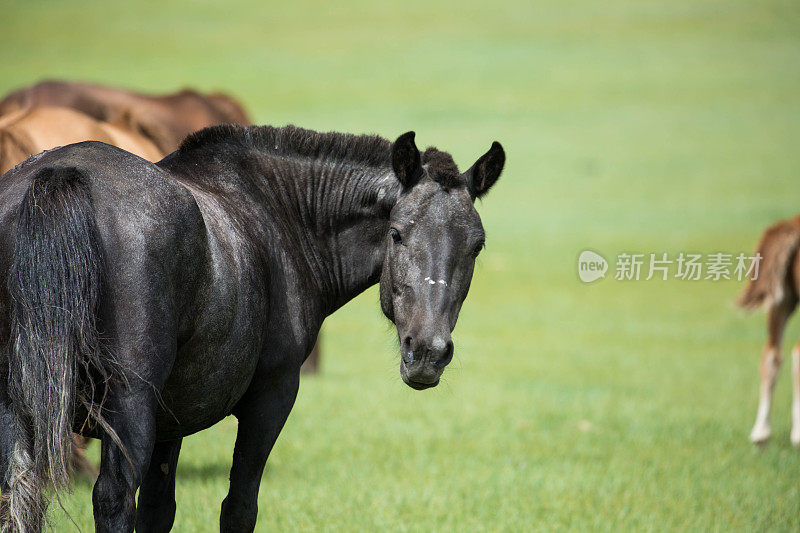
(406, 351)
(441, 356)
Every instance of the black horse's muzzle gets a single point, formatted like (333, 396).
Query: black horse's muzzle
(423, 360)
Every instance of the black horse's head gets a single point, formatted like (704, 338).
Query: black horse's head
(435, 234)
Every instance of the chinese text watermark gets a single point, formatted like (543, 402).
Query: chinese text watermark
(662, 266)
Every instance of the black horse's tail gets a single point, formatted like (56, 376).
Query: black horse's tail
(55, 357)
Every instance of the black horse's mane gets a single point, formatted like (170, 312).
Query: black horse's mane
(292, 141)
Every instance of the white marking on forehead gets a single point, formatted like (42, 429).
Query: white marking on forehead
(430, 281)
(443, 282)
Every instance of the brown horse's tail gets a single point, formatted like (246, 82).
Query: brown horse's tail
(778, 247)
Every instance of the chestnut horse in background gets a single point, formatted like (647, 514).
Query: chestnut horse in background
(164, 119)
(33, 130)
(777, 288)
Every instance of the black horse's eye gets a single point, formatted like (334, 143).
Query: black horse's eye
(478, 247)
(395, 235)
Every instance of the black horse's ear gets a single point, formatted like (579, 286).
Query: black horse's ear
(406, 161)
(486, 170)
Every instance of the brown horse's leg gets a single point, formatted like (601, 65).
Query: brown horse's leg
(795, 436)
(770, 364)
(81, 465)
(311, 364)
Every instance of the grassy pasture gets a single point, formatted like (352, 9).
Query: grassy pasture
(638, 126)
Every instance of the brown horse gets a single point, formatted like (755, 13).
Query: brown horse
(164, 119)
(777, 288)
(30, 131)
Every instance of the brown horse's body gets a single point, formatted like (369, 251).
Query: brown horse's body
(30, 131)
(777, 288)
(164, 119)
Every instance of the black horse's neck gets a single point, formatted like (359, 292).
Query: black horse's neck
(338, 213)
(327, 197)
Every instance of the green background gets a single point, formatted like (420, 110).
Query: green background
(630, 125)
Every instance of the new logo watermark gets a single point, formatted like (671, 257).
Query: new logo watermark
(684, 266)
(591, 266)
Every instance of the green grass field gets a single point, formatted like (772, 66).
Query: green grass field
(629, 125)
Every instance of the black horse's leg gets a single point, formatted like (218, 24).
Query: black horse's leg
(156, 509)
(261, 413)
(132, 416)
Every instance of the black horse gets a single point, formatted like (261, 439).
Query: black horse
(146, 302)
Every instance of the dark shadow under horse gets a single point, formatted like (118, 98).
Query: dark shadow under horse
(146, 302)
